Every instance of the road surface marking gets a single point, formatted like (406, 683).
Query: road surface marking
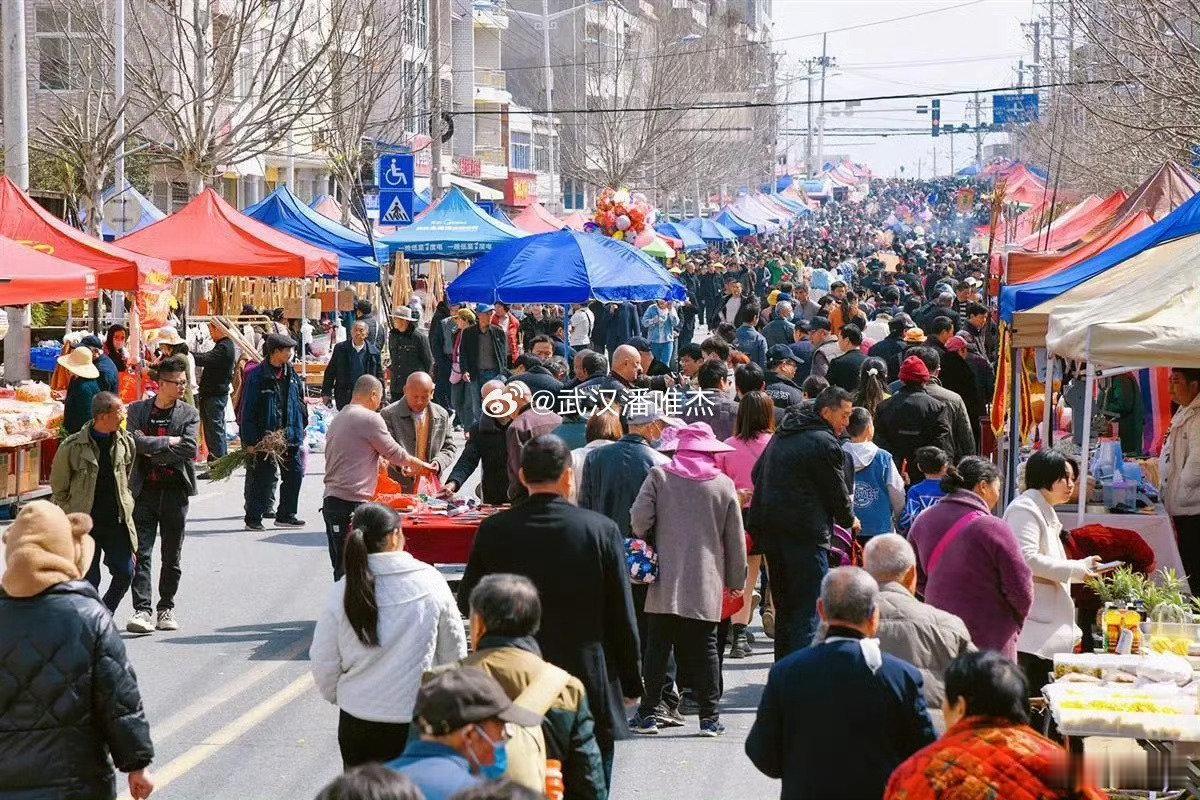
(190, 713)
(228, 734)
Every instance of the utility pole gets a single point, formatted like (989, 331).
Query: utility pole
(808, 148)
(825, 62)
(16, 166)
(951, 153)
(1037, 53)
(548, 73)
(934, 173)
(435, 99)
(119, 92)
(978, 136)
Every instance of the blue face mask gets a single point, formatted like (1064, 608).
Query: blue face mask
(494, 771)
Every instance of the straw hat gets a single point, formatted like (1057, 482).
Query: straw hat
(914, 336)
(168, 336)
(404, 313)
(79, 362)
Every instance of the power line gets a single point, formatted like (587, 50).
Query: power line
(744, 45)
(786, 103)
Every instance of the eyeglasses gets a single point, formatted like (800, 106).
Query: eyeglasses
(176, 383)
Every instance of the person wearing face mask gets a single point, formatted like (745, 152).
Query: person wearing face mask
(988, 749)
(576, 559)
(971, 563)
(463, 717)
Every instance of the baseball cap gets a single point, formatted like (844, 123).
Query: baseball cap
(781, 352)
(458, 697)
(820, 324)
(639, 343)
(483, 308)
(91, 341)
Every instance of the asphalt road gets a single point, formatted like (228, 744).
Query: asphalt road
(232, 706)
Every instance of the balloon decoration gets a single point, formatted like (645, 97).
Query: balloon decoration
(624, 216)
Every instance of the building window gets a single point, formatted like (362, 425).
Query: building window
(541, 152)
(573, 195)
(521, 158)
(64, 52)
(229, 190)
(179, 196)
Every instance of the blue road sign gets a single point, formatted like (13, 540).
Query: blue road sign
(1014, 109)
(394, 174)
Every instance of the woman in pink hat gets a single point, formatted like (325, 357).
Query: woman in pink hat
(689, 510)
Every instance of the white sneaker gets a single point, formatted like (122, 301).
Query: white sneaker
(166, 620)
(141, 622)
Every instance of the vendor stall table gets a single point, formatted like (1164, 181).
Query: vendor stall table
(439, 539)
(1155, 528)
(20, 473)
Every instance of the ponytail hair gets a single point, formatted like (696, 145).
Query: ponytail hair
(370, 525)
(871, 387)
(970, 472)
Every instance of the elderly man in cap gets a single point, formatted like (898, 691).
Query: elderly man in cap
(463, 715)
(351, 360)
(782, 366)
(780, 330)
(408, 348)
(482, 353)
(273, 400)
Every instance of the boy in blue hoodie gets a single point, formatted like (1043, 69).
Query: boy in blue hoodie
(933, 462)
(878, 487)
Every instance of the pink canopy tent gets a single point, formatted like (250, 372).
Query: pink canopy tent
(536, 219)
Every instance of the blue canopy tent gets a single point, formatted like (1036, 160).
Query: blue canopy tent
(1183, 221)
(283, 211)
(794, 205)
(453, 228)
(676, 230)
(733, 223)
(564, 267)
(969, 171)
(496, 211)
(143, 211)
(709, 230)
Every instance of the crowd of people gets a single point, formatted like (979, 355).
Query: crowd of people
(819, 458)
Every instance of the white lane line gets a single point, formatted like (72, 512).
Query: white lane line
(227, 735)
(190, 713)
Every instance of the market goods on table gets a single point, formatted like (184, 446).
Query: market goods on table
(28, 414)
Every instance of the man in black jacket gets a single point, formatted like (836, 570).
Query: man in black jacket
(911, 419)
(68, 696)
(348, 362)
(800, 493)
(843, 370)
(891, 348)
(576, 559)
(483, 350)
(782, 364)
(408, 347)
(487, 446)
(217, 367)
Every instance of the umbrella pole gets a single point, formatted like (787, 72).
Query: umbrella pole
(1048, 405)
(1085, 448)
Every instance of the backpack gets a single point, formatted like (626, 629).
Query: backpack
(844, 549)
(527, 748)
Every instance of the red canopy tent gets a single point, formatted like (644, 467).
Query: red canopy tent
(209, 238)
(576, 221)
(1075, 223)
(31, 276)
(1166, 190)
(1029, 267)
(23, 220)
(536, 219)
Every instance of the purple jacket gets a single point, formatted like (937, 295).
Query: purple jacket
(981, 576)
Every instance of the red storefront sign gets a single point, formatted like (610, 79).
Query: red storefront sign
(468, 167)
(520, 189)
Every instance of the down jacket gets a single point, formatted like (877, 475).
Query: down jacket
(68, 698)
(924, 636)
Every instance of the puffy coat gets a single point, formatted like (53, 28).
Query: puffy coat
(985, 757)
(924, 636)
(908, 420)
(69, 698)
(800, 488)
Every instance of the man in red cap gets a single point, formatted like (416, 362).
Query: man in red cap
(911, 419)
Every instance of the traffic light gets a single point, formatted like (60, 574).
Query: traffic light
(935, 116)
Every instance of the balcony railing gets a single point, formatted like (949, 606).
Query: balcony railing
(492, 156)
(492, 78)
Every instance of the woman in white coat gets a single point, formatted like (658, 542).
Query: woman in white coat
(387, 622)
(1050, 625)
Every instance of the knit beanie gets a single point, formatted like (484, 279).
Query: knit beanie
(913, 370)
(44, 547)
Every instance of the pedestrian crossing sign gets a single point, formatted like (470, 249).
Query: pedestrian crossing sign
(396, 207)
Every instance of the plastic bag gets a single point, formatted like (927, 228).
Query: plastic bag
(1108, 458)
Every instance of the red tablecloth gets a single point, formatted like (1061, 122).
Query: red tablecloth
(436, 539)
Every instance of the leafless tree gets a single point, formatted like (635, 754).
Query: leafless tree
(223, 81)
(378, 75)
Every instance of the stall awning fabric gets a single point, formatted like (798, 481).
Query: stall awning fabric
(453, 228)
(1140, 313)
(330, 208)
(576, 221)
(734, 223)
(564, 267)
(676, 230)
(1030, 267)
(1184, 221)
(116, 267)
(659, 248)
(1166, 190)
(208, 238)
(29, 276)
(1044, 237)
(536, 219)
(710, 230)
(284, 212)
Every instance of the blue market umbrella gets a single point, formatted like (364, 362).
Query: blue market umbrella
(710, 230)
(739, 228)
(564, 267)
(691, 240)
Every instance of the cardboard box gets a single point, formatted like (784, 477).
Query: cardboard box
(341, 300)
(29, 463)
(292, 308)
(8, 482)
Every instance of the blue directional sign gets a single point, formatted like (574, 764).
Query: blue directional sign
(1014, 109)
(394, 174)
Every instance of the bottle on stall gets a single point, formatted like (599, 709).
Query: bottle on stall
(555, 789)
(1114, 615)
